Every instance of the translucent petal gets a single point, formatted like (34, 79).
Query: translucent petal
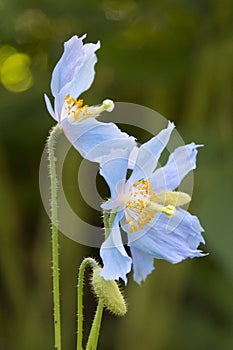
(143, 264)
(74, 72)
(172, 239)
(115, 259)
(179, 164)
(82, 78)
(70, 62)
(149, 154)
(49, 107)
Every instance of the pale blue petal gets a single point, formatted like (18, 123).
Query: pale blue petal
(95, 140)
(71, 60)
(132, 157)
(49, 107)
(143, 264)
(173, 239)
(149, 154)
(116, 261)
(179, 164)
(74, 72)
(83, 77)
(114, 171)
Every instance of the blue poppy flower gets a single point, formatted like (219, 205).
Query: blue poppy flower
(74, 74)
(149, 209)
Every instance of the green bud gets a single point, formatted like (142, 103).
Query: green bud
(109, 293)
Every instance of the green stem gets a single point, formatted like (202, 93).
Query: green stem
(55, 255)
(108, 221)
(112, 217)
(82, 268)
(95, 329)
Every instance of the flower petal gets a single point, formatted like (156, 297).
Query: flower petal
(95, 140)
(115, 259)
(74, 72)
(49, 107)
(70, 62)
(114, 170)
(172, 239)
(84, 76)
(143, 264)
(149, 154)
(179, 164)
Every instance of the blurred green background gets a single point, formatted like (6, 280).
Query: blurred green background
(175, 57)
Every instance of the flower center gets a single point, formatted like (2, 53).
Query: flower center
(142, 204)
(76, 112)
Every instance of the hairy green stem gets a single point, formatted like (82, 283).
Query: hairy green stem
(85, 262)
(54, 224)
(95, 329)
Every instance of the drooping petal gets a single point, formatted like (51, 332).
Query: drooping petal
(95, 140)
(116, 261)
(179, 164)
(172, 239)
(143, 264)
(49, 107)
(149, 154)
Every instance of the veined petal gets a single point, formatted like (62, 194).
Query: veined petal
(49, 107)
(83, 76)
(74, 73)
(71, 60)
(95, 140)
(143, 264)
(149, 154)
(115, 259)
(172, 239)
(179, 164)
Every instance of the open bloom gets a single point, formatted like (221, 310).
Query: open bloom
(74, 74)
(149, 209)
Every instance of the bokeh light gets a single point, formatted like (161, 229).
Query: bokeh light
(15, 72)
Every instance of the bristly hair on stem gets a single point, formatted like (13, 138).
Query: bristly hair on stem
(54, 228)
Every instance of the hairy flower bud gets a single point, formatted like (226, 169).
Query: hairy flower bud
(109, 293)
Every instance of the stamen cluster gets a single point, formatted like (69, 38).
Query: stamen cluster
(138, 207)
(75, 109)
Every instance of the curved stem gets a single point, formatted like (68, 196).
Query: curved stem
(82, 268)
(95, 329)
(54, 223)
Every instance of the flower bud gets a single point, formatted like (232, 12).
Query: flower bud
(109, 293)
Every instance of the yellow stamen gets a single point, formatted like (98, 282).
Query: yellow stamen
(77, 112)
(142, 204)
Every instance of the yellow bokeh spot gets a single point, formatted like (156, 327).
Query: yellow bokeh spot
(5, 52)
(15, 73)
